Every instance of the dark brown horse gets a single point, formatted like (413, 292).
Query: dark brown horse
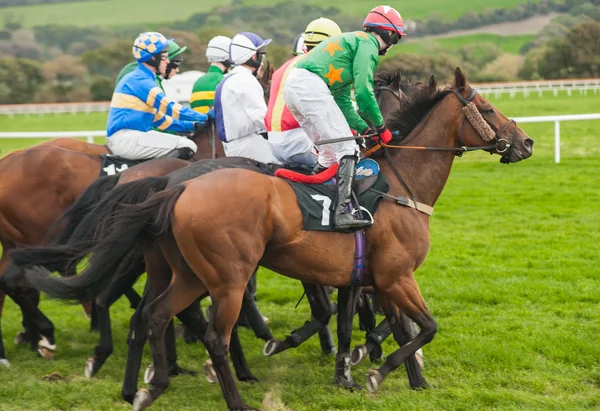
(213, 244)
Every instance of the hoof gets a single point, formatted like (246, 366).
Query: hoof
(419, 355)
(90, 368)
(248, 378)
(359, 353)
(148, 374)
(272, 347)
(142, 399)
(209, 372)
(176, 370)
(4, 362)
(347, 384)
(374, 380)
(45, 349)
(21, 338)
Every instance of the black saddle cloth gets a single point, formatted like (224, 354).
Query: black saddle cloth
(112, 165)
(315, 200)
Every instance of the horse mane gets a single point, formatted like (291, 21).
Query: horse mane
(420, 100)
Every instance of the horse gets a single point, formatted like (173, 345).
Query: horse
(213, 245)
(208, 147)
(318, 298)
(40, 183)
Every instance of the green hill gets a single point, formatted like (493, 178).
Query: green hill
(508, 44)
(122, 12)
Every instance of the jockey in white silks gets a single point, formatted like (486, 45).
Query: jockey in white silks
(240, 107)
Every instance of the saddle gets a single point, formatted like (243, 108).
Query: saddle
(316, 193)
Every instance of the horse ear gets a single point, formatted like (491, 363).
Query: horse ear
(396, 82)
(432, 83)
(459, 79)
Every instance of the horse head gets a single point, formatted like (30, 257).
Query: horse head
(484, 125)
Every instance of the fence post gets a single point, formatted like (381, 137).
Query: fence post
(557, 141)
(90, 139)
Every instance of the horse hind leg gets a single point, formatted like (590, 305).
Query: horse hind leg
(227, 303)
(404, 297)
(157, 315)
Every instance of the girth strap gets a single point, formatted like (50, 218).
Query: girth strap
(407, 202)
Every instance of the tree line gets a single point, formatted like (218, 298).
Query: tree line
(64, 63)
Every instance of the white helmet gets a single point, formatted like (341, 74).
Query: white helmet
(217, 49)
(245, 45)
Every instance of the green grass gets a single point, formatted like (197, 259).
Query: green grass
(411, 10)
(508, 44)
(109, 12)
(122, 12)
(512, 279)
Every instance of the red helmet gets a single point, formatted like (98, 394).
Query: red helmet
(385, 18)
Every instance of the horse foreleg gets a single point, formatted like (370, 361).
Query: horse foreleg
(347, 298)
(405, 297)
(320, 305)
(251, 312)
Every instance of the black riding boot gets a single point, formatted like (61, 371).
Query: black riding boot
(343, 218)
(184, 153)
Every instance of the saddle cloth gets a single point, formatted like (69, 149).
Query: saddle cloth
(112, 165)
(316, 201)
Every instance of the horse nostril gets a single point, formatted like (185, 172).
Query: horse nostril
(528, 142)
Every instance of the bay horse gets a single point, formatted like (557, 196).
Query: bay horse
(208, 147)
(37, 185)
(388, 101)
(213, 245)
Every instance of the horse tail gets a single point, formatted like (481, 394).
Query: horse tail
(71, 218)
(59, 257)
(132, 229)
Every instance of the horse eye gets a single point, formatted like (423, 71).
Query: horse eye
(487, 111)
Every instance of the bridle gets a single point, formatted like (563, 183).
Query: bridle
(501, 145)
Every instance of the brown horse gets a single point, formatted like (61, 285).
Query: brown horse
(208, 147)
(213, 243)
(36, 186)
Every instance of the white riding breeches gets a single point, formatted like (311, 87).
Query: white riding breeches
(312, 105)
(254, 147)
(293, 147)
(139, 145)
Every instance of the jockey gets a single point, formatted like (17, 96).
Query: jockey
(287, 140)
(317, 92)
(239, 101)
(138, 105)
(172, 68)
(203, 93)
(298, 47)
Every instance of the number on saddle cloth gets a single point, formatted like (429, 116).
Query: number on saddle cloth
(316, 200)
(112, 165)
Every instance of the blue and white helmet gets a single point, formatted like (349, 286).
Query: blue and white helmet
(245, 45)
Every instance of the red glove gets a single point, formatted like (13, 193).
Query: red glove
(354, 133)
(385, 135)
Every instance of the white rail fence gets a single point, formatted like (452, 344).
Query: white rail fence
(521, 120)
(180, 92)
(583, 86)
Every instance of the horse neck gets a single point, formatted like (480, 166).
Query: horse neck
(425, 171)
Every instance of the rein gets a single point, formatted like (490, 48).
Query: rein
(480, 125)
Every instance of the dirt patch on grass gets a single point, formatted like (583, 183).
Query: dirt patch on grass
(532, 25)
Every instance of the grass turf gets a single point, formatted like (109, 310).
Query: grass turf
(508, 44)
(511, 278)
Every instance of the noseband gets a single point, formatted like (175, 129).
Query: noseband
(501, 145)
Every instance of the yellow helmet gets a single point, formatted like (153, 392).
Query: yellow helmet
(319, 30)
